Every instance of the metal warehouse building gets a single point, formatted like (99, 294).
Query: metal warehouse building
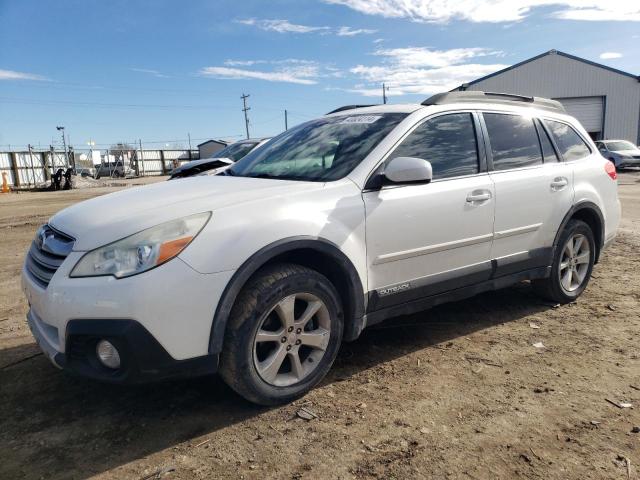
(605, 100)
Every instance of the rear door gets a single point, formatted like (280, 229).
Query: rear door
(534, 191)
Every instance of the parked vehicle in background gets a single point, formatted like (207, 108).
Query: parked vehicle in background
(621, 152)
(114, 169)
(334, 225)
(86, 172)
(223, 159)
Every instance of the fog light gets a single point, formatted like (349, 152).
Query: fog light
(108, 354)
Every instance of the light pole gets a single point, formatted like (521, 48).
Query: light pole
(64, 145)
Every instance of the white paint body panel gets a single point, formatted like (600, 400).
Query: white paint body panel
(421, 230)
(528, 211)
(158, 299)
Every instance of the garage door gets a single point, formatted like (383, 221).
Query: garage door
(589, 110)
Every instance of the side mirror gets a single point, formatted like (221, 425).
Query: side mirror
(408, 170)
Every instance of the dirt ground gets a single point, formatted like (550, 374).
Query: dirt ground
(455, 392)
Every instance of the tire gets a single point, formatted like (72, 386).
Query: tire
(249, 362)
(556, 288)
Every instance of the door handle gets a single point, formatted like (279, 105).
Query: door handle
(478, 196)
(559, 183)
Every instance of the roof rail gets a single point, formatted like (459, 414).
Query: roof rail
(493, 97)
(348, 107)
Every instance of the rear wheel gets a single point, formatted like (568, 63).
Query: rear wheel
(283, 334)
(571, 269)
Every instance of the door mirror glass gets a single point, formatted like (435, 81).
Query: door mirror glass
(408, 170)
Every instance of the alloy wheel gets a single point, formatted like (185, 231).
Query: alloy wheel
(574, 262)
(292, 339)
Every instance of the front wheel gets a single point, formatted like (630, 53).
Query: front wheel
(283, 334)
(572, 265)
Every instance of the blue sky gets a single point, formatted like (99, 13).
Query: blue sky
(112, 71)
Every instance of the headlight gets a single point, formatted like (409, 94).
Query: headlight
(141, 251)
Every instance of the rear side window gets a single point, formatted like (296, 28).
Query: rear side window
(514, 141)
(569, 142)
(447, 141)
(548, 153)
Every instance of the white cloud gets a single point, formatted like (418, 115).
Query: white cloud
(419, 70)
(13, 75)
(289, 70)
(442, 11)
(149, 71)
(402, 81)
(285, 26)
(303, 75)
(242, 63)
(610, 55)
(280, 26)
(350, 32)
(426, 57)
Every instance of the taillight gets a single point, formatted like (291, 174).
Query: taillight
(610, 168)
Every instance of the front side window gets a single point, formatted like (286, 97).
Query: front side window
(568, 141)
(514, 141)
(447, 141)
(321, 150)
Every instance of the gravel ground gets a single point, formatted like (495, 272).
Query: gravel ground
(458, 391)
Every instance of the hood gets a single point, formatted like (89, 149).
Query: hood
(108, 218)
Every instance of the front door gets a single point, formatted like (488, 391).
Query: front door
(429, 238)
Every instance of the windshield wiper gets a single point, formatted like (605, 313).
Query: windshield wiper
(266, 175)
(284, 177)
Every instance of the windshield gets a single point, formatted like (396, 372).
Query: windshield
(322, 150)
(620, 146)
(236, 150)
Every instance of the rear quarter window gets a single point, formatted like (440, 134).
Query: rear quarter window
(570, 144)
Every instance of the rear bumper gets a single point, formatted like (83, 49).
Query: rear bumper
(143, 359)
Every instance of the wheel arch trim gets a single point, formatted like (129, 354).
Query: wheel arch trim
(593, 209)
(356, 294)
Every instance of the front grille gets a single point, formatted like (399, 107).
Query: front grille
(48, 251)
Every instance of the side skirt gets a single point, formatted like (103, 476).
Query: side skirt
(424, 303)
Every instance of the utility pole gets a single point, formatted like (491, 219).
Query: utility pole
(64, 145)
(141, 156)
(384, 93)
(286, 125)
(189, 135)
(33, 172)
(245, 109)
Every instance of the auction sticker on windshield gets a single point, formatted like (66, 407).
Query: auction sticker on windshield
(362, 119)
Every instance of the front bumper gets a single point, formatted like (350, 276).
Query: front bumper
(160, 320)
(628, 162)
(143, 359)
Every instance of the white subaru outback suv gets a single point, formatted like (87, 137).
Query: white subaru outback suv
(335, 225)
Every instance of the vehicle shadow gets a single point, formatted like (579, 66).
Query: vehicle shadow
(58, 426)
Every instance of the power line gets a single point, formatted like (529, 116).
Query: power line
(101, 104)
(13, 146)
(195, 92)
